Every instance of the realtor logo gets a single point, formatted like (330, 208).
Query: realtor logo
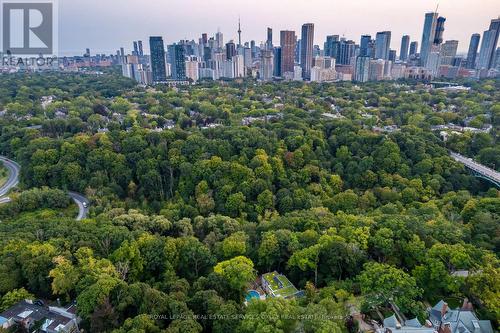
(28, 27)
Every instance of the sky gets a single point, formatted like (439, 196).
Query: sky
(106, 25)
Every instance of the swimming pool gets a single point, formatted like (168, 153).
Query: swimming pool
(252, 294)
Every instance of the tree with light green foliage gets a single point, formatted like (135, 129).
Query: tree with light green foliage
(238, 271)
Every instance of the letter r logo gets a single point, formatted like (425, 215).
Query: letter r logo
(28, 27)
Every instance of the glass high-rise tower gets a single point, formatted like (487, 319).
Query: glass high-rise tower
(489, 45)
(177, 59)
(269, 41)
(428, 36)
(364, 45)
(438, 37)
(331, 46)
(382, 45)
(230, 50)
(158, 65)
(141, 50)
(306, 50)
(405, 45)
(413, 48)
(472, 53)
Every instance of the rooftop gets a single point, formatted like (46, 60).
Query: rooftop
(52, 318)
(460, 320)
(280, 285)
(410, 326)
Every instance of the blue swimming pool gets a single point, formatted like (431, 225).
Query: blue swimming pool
(252, 294)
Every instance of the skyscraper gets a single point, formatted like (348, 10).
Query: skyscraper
(136, 49)
(371, 48)
(191, 68)
(428, 36)
(266, 65)
(230, 50)
(269, 40)
(472, 53)
(219, 39)
(433, 59)
(298, 47)
(362, 70)
(287, 42)
(238, 66)
(346, 52)
(392, 55)
(438, 37)
(413, 48)
(448, 52)
(487, 49)
(247, 56)
(364, 44)
(207, 54)
(376, 70)
(277, 61)
(331, 49)
(177, 59)
(489, 45)
(382, 45)
(316, 51)
(405, 44)
(204, 39)
(158, 65)
(496, 63)
(141, 50)
(306, 50)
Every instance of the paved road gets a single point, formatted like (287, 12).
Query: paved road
(83, 205)
(5, 200)
(479, 168)
(13, 179)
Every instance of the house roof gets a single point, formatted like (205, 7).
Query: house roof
(280, 285)
(413, 323)
(436, 310)
(410, 326)
(26, 310)
(23, 310)
(460, 321)
(390, 321)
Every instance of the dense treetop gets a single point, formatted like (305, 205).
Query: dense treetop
(348, 190)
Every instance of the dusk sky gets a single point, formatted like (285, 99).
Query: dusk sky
(106, 25)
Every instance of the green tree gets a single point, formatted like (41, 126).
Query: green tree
(235, 245)
(381, 283)
(14, 296)
(271, 315)
(238, 272)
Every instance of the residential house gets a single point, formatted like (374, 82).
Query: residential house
(277, 285)
(35, 316)
(460, 320)
(393, 325)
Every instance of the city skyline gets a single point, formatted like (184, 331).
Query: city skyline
(102, 34)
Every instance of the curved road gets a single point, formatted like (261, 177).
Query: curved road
(13, 179)
(83, 205)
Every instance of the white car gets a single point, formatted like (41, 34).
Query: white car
(85, 205)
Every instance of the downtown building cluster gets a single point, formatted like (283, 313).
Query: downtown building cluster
(296, 57)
